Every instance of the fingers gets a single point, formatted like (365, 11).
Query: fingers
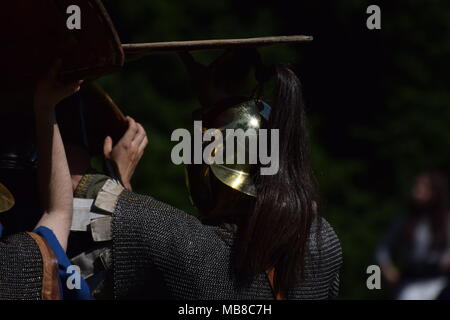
(107, 147)
(140, 136)
(49, 91)
(143, 145)
(131, 132)
(133, 141)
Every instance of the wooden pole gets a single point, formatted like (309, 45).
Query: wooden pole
(141, 49)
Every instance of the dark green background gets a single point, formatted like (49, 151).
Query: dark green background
(378, 101)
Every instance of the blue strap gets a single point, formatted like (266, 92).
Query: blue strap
(63, 263)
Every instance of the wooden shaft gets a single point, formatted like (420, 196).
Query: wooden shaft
(141, 49)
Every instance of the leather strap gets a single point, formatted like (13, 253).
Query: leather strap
(271, 276)
(50, 279)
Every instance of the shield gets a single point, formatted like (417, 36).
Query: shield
(35, 34)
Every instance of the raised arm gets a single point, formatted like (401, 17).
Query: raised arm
(55, 183)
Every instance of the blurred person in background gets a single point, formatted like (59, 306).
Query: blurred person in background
(420, 239)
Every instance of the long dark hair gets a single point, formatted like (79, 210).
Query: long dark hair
(437, 209)
(275, 233)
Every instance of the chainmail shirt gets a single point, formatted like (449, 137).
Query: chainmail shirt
(162, 252)
(20, 268)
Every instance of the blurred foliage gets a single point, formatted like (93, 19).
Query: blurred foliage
(378, 100)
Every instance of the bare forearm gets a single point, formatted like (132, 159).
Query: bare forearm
(55, 183)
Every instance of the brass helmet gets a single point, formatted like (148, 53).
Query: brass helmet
(247, 114)
(6, 199)
(252, 114)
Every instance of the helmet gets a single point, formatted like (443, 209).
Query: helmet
(248, 114)
(6, 199)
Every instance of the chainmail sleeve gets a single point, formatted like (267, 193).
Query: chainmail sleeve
(159, 252)
(21, 268)
(322, 265)
(177, 256)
